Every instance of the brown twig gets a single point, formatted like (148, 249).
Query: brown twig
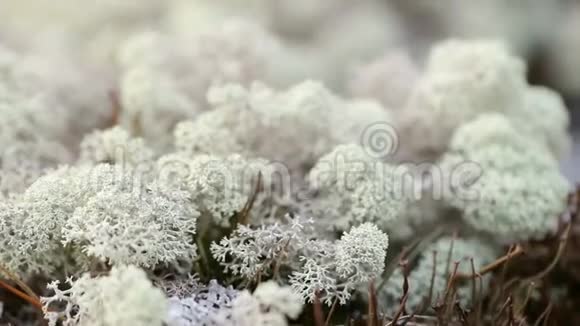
(115, 107)
(476, 295)
(545, 315)
(479, 308)
(494, 265)
(525, 303)
(429, 301)
(410, 253)
(245, 213)
(450, 252)
(451, 280)
(318, 313)
(277, 264)
(504, 307)
(561, 248)
(400, 310)
(563, 242)
(462, 314)
(450, 292)
(331, 312)
(18, 281)
(373, 315)
(33, 301)
(473, 284)
(503, 286)
(511, 317)
(444, 306)
(403, 302)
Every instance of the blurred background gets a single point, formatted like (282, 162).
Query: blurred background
(341, 42)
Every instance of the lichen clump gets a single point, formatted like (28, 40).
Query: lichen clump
(234, 171)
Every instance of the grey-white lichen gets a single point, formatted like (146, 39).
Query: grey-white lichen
(518, 193)
(115, 146)
(353, 187)
(307, 118)
(333, 271)
(125, 296)
(201, 306)
(257, 251)
(144, 229)
(465, 79)
(162, 204)
(270, 304)
(218, 186)
(165, 77)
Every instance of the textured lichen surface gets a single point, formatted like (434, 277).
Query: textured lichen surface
(184, 163)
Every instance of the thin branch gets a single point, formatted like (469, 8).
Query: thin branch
(400, 310)
(504, 307)
(410, 253)
(245, 213)
(462, 314)
(450, 252)
(318, 313)
(373, 315)
(327, 322)
(18, 281)
(451, 281)
(450, 292)
(479, 308)
(429, 301)
(33, 301)
(525, 303)
(545, 315)
(561, 248)
(116, 107)
(473, 283)
(204, 262)
(494, 265)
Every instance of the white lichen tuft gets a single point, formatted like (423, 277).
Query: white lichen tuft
(217, 163)
(466, 79)
(76, 214)
(513, 206)
(270, 304)
(489, 129)
(333, 271)
(486, 60)
(123, 297)
(352, 187)
(256, 251)
(202, 306)
(165, 77)
(514, 189)
(307, 118)
(143, 229)
(23, 162)
(115, 146)
(218, 186)
(361, 252)
(37, 217)
(52, 200)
